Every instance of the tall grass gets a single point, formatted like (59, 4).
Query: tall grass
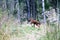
(26, 32)
(12, 30)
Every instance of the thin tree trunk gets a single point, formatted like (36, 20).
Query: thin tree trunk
(4, 5)
(28, 13)
(18, 10)
(34, 9)
(12, 6)
(43, 9)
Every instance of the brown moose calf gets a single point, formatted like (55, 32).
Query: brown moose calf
(35, 22)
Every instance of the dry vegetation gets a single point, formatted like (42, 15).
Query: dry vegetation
(10, 29)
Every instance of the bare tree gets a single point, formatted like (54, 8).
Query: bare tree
(18, 10)
(28, 9)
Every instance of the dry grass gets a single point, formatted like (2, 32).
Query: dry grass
(12, 30)
(4, 36)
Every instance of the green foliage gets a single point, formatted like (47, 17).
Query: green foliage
(15, 13)
(47, 5)
(22, 31)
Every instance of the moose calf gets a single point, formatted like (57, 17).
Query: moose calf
(35, 22)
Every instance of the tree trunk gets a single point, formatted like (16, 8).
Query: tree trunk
(4, 5)
(43, 9)
(33, 8)
(18, 10)
(28, 13)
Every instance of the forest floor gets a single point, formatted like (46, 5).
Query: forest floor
(12, 30)
(21, 32)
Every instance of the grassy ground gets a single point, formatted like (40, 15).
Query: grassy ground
(21, 32)
(10, 29)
